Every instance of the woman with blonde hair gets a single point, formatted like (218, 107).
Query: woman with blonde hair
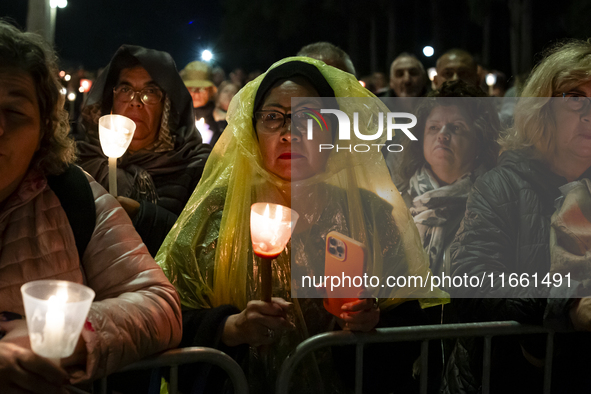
(506, 230)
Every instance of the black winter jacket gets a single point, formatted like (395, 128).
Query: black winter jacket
(506, 229)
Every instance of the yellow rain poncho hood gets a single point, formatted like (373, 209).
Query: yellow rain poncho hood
(208, 253)
(210, 261)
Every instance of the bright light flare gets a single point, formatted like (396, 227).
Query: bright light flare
(206, 55)
(58, 3)
(85, 84)
(428, 51)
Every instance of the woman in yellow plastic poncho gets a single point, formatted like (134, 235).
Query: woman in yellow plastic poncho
(263, 157)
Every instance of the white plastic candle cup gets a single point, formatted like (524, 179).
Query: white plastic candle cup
(271, 226)
(115, 134)
(56, 311)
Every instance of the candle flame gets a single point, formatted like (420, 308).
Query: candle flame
(270, 232)
(60, 297)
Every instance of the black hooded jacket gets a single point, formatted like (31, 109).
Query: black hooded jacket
(169, 173)
(506, 229)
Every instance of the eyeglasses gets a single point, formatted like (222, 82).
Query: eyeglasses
(148, 96)
(576, 101)
(275, 120)
(198, 90)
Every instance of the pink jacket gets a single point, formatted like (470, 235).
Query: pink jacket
(136, 311)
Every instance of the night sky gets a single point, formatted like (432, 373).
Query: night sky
(253, 34)
(88, 32)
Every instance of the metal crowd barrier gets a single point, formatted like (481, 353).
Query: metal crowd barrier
(174, 358)
(416, 333)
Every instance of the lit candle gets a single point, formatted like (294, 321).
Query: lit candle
(115, 134)
(491, 80)
(54, 327)
(269, 236)
(206, 133)
(56, 311)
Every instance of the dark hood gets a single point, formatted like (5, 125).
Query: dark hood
(184, 148)
(162, 69)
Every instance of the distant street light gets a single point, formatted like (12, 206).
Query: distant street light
(58, 3)
(428, 51)
(206, 55)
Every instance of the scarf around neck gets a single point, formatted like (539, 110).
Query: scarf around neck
(437, 212)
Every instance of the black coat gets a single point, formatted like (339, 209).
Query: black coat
(506, 228)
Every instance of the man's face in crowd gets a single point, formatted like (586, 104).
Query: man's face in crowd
(451, 67)
(407, 78)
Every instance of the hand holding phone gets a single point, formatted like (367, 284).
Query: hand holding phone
(344, 261)
(360, 315)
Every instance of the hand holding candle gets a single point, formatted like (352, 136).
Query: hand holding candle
(271, 226)
(115, 134)
(56, 311)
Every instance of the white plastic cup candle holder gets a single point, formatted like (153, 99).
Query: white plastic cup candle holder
(115, 134)
(56, 311)
(271, 226)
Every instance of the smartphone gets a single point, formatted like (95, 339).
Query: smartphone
(344, 257)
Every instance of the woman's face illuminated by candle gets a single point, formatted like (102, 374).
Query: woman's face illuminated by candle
(286, 150)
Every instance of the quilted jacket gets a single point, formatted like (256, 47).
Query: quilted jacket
(506, 229)
(136, 311)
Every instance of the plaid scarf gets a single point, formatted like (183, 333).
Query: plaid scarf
(437, 212)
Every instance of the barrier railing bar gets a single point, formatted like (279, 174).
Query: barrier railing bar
(173, 388)
(486, 364)
(76, 390)
(102, 386)
(359, 369)
(400, 334)
(548, 363)
(174, 358)
(424, 365)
